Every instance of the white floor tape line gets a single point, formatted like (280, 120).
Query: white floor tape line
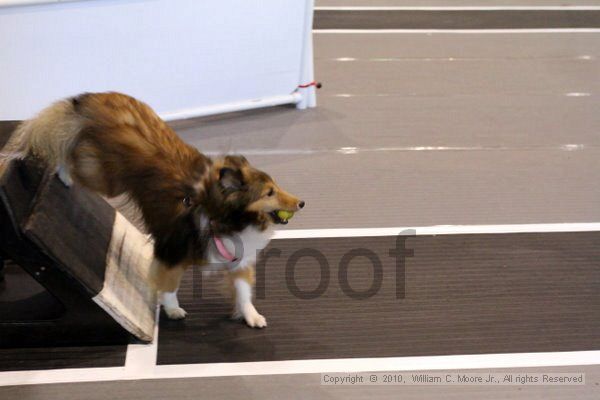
(459, 31)
(437, 230)
(140, 356)
(428, 363)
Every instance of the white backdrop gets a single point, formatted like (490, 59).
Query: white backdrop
(183, 57)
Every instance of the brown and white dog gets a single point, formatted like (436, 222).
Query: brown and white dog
(194, 208)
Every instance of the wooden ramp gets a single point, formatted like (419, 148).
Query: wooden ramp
(86, 255)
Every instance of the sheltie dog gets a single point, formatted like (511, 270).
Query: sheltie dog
(197, 210)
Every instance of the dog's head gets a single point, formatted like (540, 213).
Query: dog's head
(239, 195)
(222, 197)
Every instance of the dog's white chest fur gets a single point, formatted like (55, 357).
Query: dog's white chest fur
(244, 246)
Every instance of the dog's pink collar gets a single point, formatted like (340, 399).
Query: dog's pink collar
(223, 250)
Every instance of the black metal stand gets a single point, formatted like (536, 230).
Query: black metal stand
(71, 278)
(1, 268)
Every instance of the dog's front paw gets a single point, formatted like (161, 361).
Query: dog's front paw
(175, 313)
(256, 321)
(251, 316)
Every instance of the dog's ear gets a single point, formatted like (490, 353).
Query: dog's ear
(236, 160)
(230, 179)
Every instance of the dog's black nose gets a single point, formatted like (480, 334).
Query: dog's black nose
(301, 204)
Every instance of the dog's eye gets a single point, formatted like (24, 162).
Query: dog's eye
(271, 192)
(187, 201)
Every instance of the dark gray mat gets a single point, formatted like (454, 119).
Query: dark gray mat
(463, 19)
(62, 357)
(464, 294)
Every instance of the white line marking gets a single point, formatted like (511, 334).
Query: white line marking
(585, 57)
(460, 31)
(459, 8)
(578, 94)
(437, 230)
(446, 59)
(357, 150)
(572, 147)
(140, 357)
(454, 362)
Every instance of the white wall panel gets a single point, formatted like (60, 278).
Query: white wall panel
(183, 57)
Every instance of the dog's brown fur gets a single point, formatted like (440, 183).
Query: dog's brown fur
(116, 145)
(124, 147)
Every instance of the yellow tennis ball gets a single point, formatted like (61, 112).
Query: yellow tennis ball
(285, 215)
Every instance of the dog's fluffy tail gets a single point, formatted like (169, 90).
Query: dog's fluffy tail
(49, 136)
